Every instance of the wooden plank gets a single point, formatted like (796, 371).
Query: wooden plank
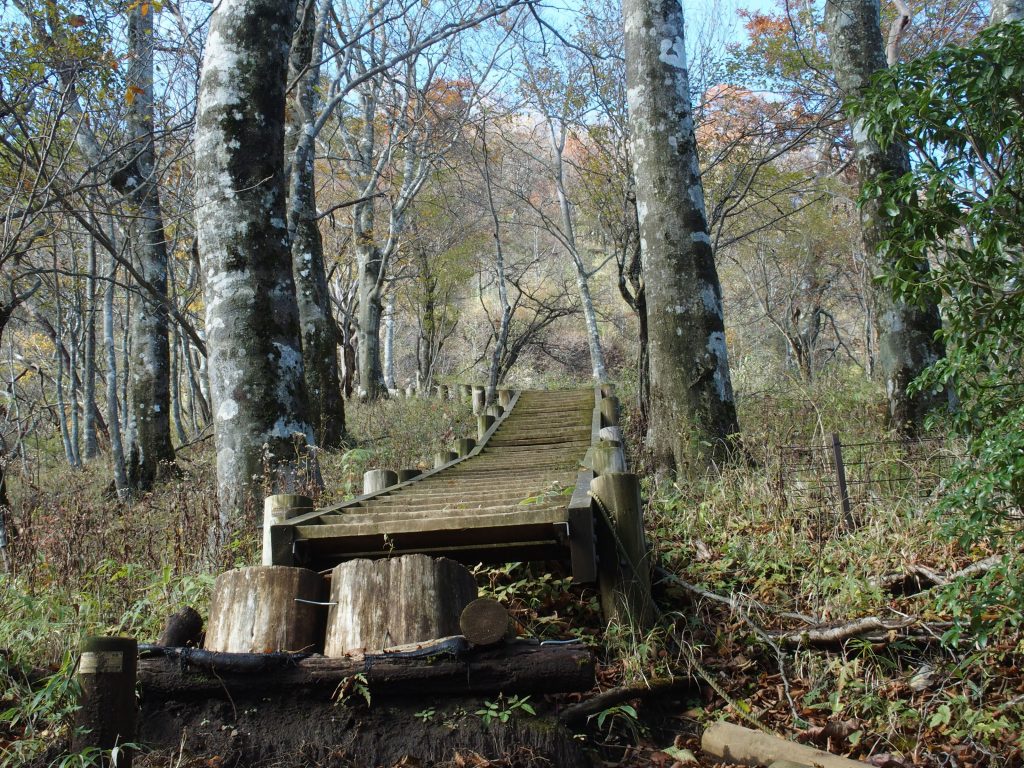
(517, 518)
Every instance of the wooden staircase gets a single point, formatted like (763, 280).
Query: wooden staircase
(519, 495)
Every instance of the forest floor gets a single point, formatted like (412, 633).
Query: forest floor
(755, 562)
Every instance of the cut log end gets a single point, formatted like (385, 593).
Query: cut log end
(484, 622)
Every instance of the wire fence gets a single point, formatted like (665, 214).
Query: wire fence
(840, 480)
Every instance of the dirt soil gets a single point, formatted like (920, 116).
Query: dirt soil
(303, 730)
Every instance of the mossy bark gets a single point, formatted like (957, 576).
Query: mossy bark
(907, 342)
(256, 370)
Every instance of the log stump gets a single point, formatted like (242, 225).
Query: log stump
(444, 457)
(378, 604)
(405, 475)
(483, 423)
(257, 610)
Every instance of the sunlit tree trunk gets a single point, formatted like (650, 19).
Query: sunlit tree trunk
(252, 318)
(907, 342)
(389, 342)
(319, 342)
(149, 427)
(693, 415)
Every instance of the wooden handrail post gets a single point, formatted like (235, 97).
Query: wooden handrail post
(444, 457)
(277, 509)
(376, 480)
(108, 714)
(609, 411)
(463, 446)
(624, 577)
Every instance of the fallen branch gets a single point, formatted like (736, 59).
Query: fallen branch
(921, 578)
(578, 712)
(870, 628)
(736, 603)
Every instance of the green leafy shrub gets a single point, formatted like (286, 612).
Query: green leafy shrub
(961, 111)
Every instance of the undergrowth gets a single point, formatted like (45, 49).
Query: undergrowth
(85, 563)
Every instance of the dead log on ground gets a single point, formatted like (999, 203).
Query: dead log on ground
(515, 669)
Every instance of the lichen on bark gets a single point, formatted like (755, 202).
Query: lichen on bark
(252, 320)
(693, 414)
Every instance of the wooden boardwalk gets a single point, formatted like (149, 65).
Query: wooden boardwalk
(521, 495)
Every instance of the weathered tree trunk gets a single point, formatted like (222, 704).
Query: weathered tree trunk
(149, 428)
(252, 318)
(319, 342)
(907, 341)
(693, 415)
(382, 603)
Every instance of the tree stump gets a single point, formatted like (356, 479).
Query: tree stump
(108, 713)
(277, 509)
(383, 603)
(376, 480)
(257, 610)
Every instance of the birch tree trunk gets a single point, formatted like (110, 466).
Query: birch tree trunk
(582, 276)
(150, 415)
(906, 332)
(256, 373)
(693, 414)
(91, 444)
(389, 342)
(319, 341)
(113, 419)
(501, 338)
